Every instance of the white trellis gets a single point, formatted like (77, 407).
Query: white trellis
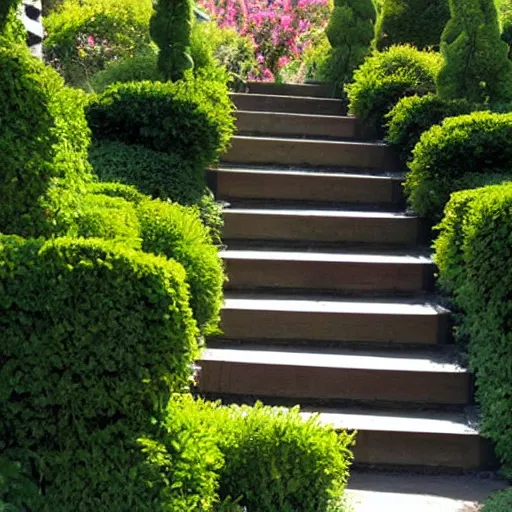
(30, 14)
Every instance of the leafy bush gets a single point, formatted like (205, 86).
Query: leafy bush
(477, 143)
(506, 25)
(274, 460)
(176, 232)
(413, 115)
(476, 65)
(12, 30)
(83, 35)
(89, 365)
(416, 22)
(131, 194)
(386, 77)
(499, 502)
(350, 33)
(191, 119)
(43, 142)
(473, 256)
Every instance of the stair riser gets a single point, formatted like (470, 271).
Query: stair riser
(303, 153)
(402, 449)
(388, 231)
(328, 276)
(263, 325)
(290, 104)
(305, 90)
(274, 380)
(306, 187)
(289, 125)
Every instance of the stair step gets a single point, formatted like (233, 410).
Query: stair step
(270, 317)
(308, 90)
(291, 104)
(235, 183)
(290, 125)
(307, 225)
(301, 373)
(313, 153)
(328, 271)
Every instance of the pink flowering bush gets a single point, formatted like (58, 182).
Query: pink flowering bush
(280, 29)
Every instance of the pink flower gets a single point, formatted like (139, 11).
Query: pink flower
(281, 63)
(90, 41)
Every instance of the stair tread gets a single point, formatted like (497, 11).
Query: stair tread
(287, 96)
(325, 256)
(390, 360)
(327, 117)
(307, 211)
(323, 304)
(429, 422)
(312, 141)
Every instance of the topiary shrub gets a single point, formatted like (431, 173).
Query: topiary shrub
(384, 78)
(476, 65)
(84, 35)
(477, 143)
(416, 22)
(473, 256)
(176, 232)
(413, 115)
(350, 33)
(170, 28)
(94, 339)
(43, 142)
(190, 119)
(499, 502)
(131, 194)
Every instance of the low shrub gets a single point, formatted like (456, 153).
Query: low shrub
(94, 340)
(274, 459)
(499, 502)
(473, 255)
(477, 143)
(413, 115)
(384, 78)
(190, 119)
(84, 35)
(176, 232)
(131, 194)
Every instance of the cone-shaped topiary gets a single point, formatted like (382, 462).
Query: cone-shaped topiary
(170, 28)
(476, 65)
(416, 22)
(350, 33)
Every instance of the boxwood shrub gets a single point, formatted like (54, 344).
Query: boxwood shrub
(499, 502)
(191, 119)
(478, 143)
(94, 339)
(473, 254)
(413, 115)
(386, 77)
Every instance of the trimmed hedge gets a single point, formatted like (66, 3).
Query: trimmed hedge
(473, 254)
(274, 459)
(191, 119)
(413, 115)
(478, 143)
(499, 502)
(416, 22)
(176, 232)
(384, 78)
(94, 339)
(43, 142)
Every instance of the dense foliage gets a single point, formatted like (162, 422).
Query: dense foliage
(386, 77)
(416, 22)
(476, 65)
(473, 253)
(350, 33)
(413, 115)
(499, 502)
(478, 143)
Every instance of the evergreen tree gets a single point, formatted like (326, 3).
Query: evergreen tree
(170, 29)
(416, 22)
(476, 65)
(350, 33)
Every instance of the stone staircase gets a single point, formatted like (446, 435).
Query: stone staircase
(330, 298)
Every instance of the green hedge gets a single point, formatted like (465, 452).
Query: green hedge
(190, 119)
(176, 232)
(94, 339)
(478, 143)
(499, 502)
(473, 256)
(12, 30)
(413, 115)
(43, 142)
(384, 78)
